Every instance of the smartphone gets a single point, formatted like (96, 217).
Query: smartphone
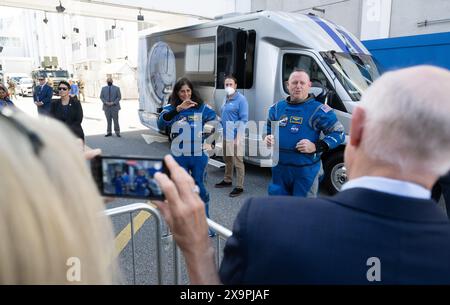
(128, 177)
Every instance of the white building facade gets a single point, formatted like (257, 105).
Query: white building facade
(372, 19)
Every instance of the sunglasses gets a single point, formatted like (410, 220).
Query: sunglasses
(41, 78)
(63, 89)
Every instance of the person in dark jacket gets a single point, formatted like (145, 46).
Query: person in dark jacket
(68, 110)
(42, 96)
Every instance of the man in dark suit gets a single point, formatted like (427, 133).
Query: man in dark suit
(110, 96)
(42, 96)
(382, 228)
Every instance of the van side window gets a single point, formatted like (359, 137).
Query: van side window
(318, 78)
(304, 62)
(200, 57)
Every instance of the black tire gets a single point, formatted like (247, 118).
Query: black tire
(335, 174)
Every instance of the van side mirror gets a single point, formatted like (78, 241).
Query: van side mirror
(333, 100)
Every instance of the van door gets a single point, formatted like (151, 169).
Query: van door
(235, 55)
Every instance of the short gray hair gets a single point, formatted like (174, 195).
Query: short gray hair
(407, 119)
(299, 70)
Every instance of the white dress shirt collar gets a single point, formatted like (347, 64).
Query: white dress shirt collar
(390, 186)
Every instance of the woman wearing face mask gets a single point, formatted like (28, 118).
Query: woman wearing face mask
(185, 116)
(68, 110)
(4, 99)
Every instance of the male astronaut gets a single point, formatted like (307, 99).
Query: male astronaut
(300, 119)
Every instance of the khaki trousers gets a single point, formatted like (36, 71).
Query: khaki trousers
(233, 155)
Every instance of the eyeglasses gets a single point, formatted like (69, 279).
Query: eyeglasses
(41, 78)
(8, 114)
(63, 89)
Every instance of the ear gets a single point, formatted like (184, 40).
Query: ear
(357, 127)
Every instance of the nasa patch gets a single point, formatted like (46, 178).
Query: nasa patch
(296, 120)
(283, 121)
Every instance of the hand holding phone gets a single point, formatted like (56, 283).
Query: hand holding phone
(128, 177)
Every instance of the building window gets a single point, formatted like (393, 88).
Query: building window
(76, 46)
(11, 42)
(110, 34)
(90, 41)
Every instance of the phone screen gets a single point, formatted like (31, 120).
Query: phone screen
(130, 177)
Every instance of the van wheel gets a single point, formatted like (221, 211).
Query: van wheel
(335, 172)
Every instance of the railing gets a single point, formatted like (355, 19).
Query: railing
(222, 233)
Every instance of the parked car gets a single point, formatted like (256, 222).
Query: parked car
(25, 87)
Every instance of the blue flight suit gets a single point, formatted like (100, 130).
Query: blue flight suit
(297, 173)
(190, 154)
(140, 184)
(119, 184)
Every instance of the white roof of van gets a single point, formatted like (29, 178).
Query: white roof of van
(296, 29)
(317, 33)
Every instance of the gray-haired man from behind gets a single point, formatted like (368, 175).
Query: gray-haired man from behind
(110, 96)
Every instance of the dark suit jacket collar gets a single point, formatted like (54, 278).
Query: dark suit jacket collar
(392, 206)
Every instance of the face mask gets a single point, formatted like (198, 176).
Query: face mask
(230, 91)
(109, 83)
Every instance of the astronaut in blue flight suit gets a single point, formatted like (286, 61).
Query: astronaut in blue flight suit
(141, 183)
(300, 119)
(186, 115)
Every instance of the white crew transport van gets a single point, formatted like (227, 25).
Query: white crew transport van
(260, 50)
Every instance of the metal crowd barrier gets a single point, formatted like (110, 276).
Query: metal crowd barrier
(222, 233)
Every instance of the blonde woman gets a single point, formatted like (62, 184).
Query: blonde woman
(51, 224)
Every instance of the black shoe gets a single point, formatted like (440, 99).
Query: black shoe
(108, 134)
(223, 184)
(236, 192)
(118, 135)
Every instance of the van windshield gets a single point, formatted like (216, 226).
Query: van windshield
(356, 72)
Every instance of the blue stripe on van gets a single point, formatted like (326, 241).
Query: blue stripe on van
(330, 32)
(352, 42)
